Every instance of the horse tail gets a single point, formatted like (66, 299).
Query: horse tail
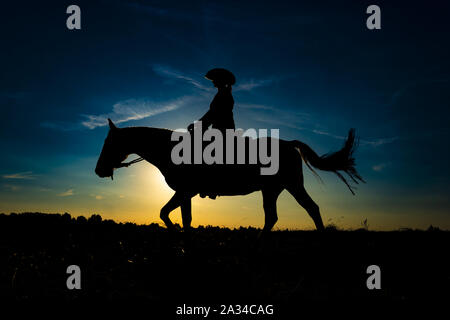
(341, 160)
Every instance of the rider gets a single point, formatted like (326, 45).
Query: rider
(220, 113)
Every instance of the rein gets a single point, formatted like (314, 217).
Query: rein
(127, 164)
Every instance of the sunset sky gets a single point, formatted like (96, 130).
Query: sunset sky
(311, 71)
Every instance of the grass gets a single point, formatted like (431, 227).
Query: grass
(127, 261)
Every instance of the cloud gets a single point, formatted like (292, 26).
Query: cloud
(254, 106)
(299, 121)
(133, 109)
(413, 86)
(378, 142)
(324, 133)
(252, 84)
(66, 193)
(168, 72)
(28, 175)
(11, 187)
(273, 121)
(291, 124)
(275, 116)
(380, 167)
(362, 142)
(97, 196)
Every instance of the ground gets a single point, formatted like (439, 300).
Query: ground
(217, 265)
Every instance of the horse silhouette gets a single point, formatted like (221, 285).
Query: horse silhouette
(187, 180)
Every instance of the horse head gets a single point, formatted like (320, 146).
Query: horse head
(112, 154)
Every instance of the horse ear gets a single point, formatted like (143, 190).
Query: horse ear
(112, 126)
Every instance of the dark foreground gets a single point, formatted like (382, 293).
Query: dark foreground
(219, 266)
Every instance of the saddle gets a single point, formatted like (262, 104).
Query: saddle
(210, 195)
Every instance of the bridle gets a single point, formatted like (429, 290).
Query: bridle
(126, 164)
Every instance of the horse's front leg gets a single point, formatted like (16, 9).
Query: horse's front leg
(177, 200)
(171, 205)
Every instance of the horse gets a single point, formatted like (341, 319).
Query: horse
(187, 180)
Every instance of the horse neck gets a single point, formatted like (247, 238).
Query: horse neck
(152, 144)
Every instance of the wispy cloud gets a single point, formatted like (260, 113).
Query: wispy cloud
(413, 85)
(244, 85)
(168, 72)
(293, 125)
(133, 109)
(28, 175)
(378, 142)
(252, 84)
(380, 167)
(299, 121)
(66, 193)
(362, 142)
(11, 187)
(276, 122)
(325, 133)
(255, 106)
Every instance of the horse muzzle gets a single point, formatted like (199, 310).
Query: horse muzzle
(103, 173)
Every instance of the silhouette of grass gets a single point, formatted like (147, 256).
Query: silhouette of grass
(145, 262)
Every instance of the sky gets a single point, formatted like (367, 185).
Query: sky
(310, 69)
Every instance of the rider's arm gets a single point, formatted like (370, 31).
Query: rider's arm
(207, 119)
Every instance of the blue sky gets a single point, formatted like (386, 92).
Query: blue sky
(311, 70)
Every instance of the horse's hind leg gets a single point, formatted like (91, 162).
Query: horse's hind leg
(270, 197)
(186, 213)
(303, 198)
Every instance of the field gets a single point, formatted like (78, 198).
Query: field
(145, 263)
